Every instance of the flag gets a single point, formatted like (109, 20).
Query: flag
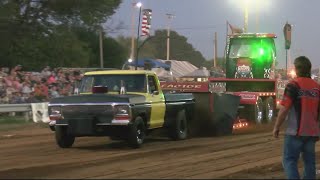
(235, 29)
(145, 28)
(146, 22)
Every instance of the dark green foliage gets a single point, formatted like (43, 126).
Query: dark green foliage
(156, 47)
(59, 33)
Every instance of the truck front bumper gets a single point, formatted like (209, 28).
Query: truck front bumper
(90, 128)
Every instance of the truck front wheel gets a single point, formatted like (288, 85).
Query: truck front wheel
(179, 129)
(136, 134)
(63, 139)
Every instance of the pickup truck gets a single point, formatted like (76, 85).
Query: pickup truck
(121, 104)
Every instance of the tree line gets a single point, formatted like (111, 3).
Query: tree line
(65, 33)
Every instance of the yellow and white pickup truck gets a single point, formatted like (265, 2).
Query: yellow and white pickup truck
(121, 104)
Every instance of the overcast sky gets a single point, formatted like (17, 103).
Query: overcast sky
(199, 19)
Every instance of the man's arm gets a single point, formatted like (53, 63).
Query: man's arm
(290, 94)
(283, 112)
(319, 111)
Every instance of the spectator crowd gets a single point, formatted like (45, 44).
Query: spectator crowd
(18, 86)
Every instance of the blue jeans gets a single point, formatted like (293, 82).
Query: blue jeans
(293, 146)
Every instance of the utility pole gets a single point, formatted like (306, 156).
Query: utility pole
(169, 16)
(215, 50)
(257, 16)
(101, 47)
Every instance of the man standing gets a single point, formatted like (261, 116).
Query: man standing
(76, 83)
(300, 109)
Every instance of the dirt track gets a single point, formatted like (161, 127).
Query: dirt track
(32, 153)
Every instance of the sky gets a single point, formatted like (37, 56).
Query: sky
(198, 20)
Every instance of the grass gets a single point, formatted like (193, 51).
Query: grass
(12, 122)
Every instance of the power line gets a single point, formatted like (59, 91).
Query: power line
(182, 28)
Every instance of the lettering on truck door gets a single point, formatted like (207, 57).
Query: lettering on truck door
(156, 98)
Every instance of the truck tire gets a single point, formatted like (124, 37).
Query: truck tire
(257, 112)
(223, 129)
(136, 134)
(179, 129)
(269, 110)
(63, 139)
(115, 138)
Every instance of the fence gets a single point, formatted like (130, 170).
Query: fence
(38, 111)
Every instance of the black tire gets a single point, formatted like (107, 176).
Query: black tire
(179, 129)
(136, 134)
(52, 128)
(257, 112)
(269, 110)
(115, 138)
(224, 128)
(63, 139)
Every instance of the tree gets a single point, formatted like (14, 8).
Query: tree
(180, 49)
(48, 13)
(40, 32)
(146, 51)
(114, 53)
(156, 47)
(221, 63)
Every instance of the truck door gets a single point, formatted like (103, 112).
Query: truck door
(156, 98)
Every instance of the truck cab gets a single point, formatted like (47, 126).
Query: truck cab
(250, 56)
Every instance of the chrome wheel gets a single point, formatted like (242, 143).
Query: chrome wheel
(269, 109)
(139, 136)
(259, 111)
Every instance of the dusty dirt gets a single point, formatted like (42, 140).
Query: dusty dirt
(31, 152)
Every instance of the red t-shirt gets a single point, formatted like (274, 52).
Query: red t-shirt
(302, 97)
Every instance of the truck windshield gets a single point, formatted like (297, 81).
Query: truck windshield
(254, 48)
(132, 83)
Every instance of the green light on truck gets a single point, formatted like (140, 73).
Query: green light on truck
(259, 50)
(262, 51)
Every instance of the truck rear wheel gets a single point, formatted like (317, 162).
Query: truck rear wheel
(257, 112)
(269, 110)
(136, 133)
(179, 129)
(63, 139)
(223, 128)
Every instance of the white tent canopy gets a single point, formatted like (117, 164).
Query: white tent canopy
(202, 72)
(180, 68)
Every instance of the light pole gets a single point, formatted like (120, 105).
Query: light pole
(134, 5)
(246, 16)
(132, 31)
(169, 16)
(139, 5)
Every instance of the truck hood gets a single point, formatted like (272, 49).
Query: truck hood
(99, 98)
